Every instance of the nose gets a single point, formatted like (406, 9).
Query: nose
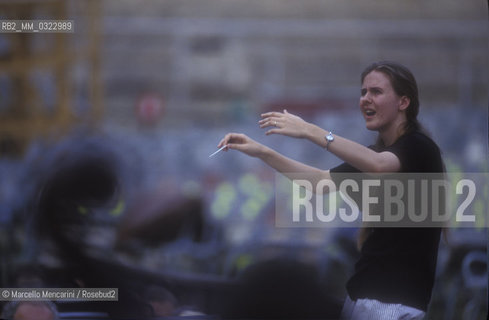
(365, 99)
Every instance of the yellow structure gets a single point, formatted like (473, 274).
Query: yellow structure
(27, 114)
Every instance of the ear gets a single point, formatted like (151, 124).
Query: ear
(404, 103)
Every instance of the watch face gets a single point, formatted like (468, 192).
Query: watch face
(329, 137)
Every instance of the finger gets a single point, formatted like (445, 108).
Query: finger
(223, 145)
(265, 119)
(288, 114)
(273, 131)
(268, 124)
(273, 121)
(235, 146)
(271, 114)
(223, 141)
(230, 137)
(270, 119)
(237, 138)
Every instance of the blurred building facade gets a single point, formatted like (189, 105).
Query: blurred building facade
(213, 62)
(210, 57)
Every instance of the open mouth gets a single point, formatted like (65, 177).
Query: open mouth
(370, 113)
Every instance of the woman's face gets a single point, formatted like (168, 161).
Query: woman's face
(382, 108)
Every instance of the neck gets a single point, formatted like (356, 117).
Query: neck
(390, 134)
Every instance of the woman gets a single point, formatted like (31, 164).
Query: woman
(394, 275)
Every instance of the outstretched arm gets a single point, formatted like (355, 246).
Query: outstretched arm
(357, 155)
(279, 162)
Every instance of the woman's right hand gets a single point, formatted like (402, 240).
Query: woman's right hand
(243, 143)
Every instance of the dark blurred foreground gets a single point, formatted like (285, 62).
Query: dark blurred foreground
(85, 223)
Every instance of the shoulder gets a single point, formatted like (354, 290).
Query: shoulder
(415, 143)
(417, 153)
(417, 138)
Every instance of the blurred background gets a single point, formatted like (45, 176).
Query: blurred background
(105, 135)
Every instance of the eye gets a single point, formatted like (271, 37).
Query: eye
(363, 92)
(376, 91)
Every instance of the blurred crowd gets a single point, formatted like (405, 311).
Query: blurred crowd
(181, 234)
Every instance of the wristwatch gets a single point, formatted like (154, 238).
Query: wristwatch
(329, 138)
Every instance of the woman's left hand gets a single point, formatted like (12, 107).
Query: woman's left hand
(284, 123)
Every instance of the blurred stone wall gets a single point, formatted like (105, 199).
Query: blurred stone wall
(216, 61)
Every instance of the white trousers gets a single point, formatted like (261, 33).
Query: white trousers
(370, 309)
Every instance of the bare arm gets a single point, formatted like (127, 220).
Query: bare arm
(287, 166)
(277, 161)
(357, 155)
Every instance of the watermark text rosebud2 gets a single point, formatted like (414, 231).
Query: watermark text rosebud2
(391, 200)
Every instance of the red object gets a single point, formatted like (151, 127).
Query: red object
(149, 108)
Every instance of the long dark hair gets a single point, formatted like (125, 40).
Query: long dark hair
(404, 84)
